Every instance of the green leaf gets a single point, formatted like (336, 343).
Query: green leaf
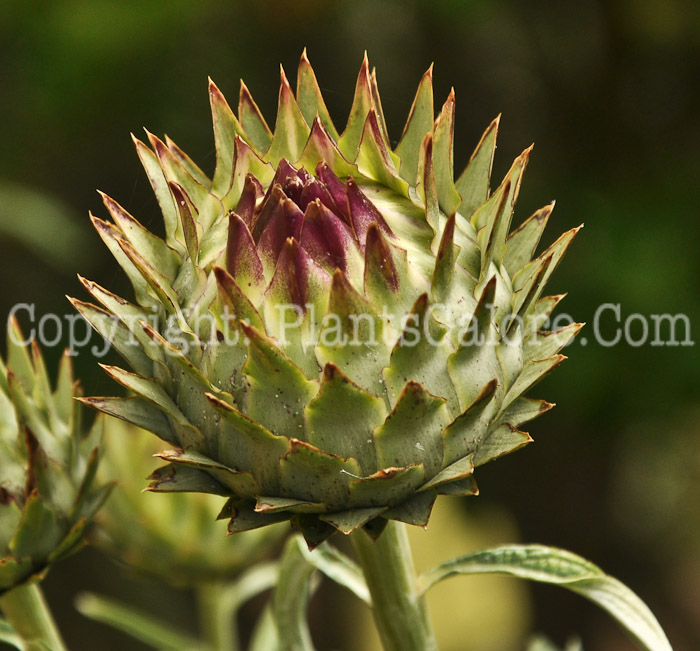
(226, 128)
(151, 391)
(246, 445)
(374, 158)
(278, 391)
(493, 219)
(38, 532)
(160, 285)
(455, 472)
(235, 302)
(280, 504)
(349, 142)
(295, 302)
(346, 437)
(473, 184)
(321, 147)
(19, 361)
(443, 156)
(315, 531)
(113, 330)
(131, 315)
(311, 102)
(412, 433)
(137, 411)
(10, 516)
(149, 245)
(339, 568)
(208, 205)
(530, 374)
(465, 435)
(352, 337)
(387, 279)
(188, 214)
(291, 597)
(247, 162)
(426, 186)
(529, 282)
(14, 570)
(313, 475)
(187, 162)
(559, 567)
(522, 242)
(377, 103)
(476, 362)
(542, 345)
(136, 623)
(175, 478)
(244, 517)
(159, 183)
(252, 120)
(73, 541)
(421, 354)
(352, 519)
(540, 312)
(445, 261)
(291, 130)
(386, 487)
(523, 410)
(238, 483)
(415, 510)
(419, 122)
(250, 584)
(502, 440)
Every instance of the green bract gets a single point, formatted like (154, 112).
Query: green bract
(332, 332)
(177, 540)
(47, 490)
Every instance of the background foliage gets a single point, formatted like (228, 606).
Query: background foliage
(608, 92)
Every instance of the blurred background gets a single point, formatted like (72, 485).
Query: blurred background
(609, 93)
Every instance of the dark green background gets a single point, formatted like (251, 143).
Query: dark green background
(610, 94)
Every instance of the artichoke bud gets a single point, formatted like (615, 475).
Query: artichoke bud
(333, 331)
(48, 493)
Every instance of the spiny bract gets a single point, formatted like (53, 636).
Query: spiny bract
(177, 540)
(48, 493)
(332, 332)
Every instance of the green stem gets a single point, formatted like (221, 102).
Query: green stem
(399, 611)
(28, 613)
(217, 617)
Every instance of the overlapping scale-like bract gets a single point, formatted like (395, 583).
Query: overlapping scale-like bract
(332, 332)
(177, 540)
(48, 493)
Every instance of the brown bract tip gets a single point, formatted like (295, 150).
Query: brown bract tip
(214, 89)
(283, 77)
(330, 371)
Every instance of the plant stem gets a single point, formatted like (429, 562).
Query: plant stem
(399, 611)
(28, 613)
(216, 617)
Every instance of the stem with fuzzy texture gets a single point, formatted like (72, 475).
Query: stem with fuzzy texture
(28, 613)
(399, 611)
